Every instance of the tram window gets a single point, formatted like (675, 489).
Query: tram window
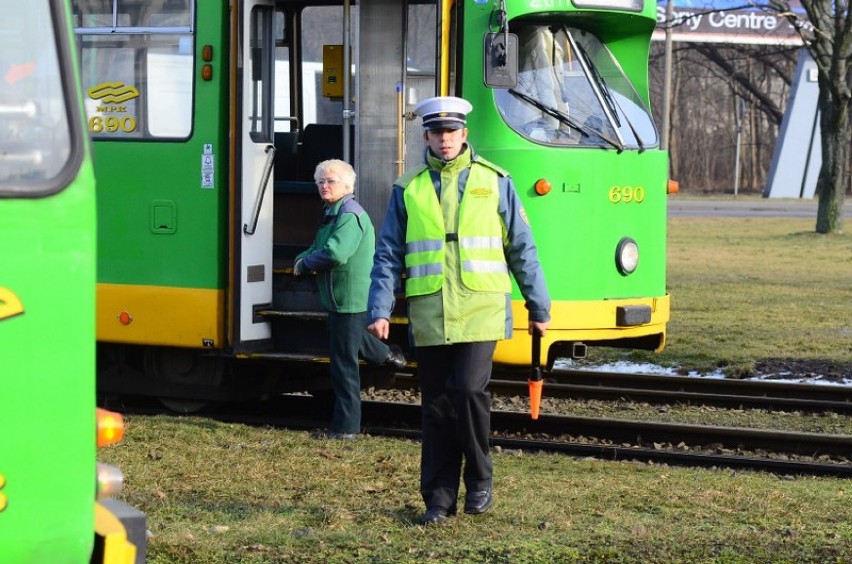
(285, 121)
(282, 31)
(137, 67)
(321, 25)
(421, 39)
(132, 13)
(259, 65)
(421, 56)
(35, 136)
(572, 92)
(93, 13)
(421, 67)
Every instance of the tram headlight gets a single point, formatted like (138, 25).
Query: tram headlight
(627, 256)
(110, 481)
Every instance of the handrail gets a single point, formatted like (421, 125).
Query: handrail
(292, 119)
(261, 191)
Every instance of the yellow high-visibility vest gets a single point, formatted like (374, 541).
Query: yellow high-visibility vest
(480, 236)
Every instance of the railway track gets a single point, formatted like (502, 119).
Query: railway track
(783, 452)
(611, 386)
(610, 439)
(705, 386)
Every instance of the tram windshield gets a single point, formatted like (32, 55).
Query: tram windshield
(572, 92)
(34, 130)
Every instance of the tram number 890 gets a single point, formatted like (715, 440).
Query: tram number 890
(112, 124)
(626, 194)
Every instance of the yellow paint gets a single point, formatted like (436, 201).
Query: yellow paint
(116, 548)
(444, 79)
(165, 316)
(579, 322)
(112, 92)
(627, 194)
(10, 304)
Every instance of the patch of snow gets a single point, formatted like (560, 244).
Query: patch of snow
(625, 367)
(815, 380)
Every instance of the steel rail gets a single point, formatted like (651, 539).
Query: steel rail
(661, 389)
(649, 455)
(622, 431)
(616, 439)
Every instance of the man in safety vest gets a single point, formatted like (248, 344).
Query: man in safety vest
(455, 227)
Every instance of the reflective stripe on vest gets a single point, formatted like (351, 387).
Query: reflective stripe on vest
(480, 236)
(424, 237)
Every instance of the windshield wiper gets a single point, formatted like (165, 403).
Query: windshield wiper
(564, 118)
(602, 85)
(607, 96)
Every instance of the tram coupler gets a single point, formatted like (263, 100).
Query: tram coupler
(578, 350)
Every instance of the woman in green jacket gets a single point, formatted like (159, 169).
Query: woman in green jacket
(342, 256)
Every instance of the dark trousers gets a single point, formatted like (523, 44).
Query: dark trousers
(456, 420)
(348, 338)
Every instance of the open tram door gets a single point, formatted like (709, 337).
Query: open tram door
(252, 194)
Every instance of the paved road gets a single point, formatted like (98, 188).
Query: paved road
(750, 206)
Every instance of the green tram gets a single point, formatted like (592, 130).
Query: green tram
(208, 119)
(50, 481)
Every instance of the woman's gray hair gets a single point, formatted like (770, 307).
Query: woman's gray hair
(342, 168)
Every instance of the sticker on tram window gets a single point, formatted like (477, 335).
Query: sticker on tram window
(626, 194)
(10, 304)
(111, 106)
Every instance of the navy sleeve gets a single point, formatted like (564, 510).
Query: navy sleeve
(521, 253)
(389, 260)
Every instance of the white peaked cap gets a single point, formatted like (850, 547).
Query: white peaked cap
(443, 112)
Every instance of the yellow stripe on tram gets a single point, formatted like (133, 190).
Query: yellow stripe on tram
(161, 315)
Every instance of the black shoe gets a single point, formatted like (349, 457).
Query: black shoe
(395, 358)
(334, 435)
(476, 503)
(435, 516)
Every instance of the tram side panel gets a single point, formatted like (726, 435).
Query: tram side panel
(161, 145)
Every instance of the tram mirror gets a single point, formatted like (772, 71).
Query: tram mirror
(500, 56)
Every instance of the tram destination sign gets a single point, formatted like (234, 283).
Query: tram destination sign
(728, 21)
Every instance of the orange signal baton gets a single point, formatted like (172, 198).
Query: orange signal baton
(535, 383)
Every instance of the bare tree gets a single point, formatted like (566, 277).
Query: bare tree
(710, 83)
(827, 35)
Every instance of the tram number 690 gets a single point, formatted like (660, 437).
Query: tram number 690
(626, 194)
(111, 124)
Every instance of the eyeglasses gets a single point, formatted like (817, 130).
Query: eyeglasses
(329, 181)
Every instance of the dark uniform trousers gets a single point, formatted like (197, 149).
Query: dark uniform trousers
(348, 338)
(456, 420)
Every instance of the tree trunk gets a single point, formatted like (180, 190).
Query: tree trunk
(834, 172)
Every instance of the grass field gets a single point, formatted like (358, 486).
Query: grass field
(743, 290)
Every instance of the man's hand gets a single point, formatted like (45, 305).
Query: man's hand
(297, 268)
(380, 328)
(539, 327)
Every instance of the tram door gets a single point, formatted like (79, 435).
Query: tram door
(255, 154)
